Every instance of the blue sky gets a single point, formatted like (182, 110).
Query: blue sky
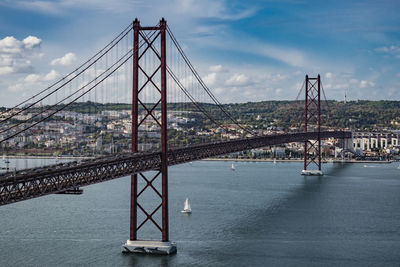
(244, 50)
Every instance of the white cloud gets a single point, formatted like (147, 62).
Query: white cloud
(353, 81)
(6, 70)
(364, 84)
(190, 8)
(60, 7)
(392, 50)
(67, 59)
(31, 42)
(15, 54)
(298, 72)
(17, 87)
(52, 75)
(237, 80)
(277, 77)
(215, 68)
(386, 49)
(10, 45)
(32, 78)
(41, 6)
(244, 83)
(328, 75)
(340, 86)
(290, 56)
(219, 90)
(210, 79)
(33, 81)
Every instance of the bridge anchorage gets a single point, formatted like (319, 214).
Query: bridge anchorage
(312, 123)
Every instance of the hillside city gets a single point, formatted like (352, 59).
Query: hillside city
(94, 129)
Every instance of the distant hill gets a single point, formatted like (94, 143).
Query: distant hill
(353, 114)
(362, 115)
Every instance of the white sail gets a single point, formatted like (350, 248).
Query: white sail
(186, 207)
(233, 167)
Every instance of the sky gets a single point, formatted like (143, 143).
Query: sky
(244, 50)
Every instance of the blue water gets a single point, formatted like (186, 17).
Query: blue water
(262, 214)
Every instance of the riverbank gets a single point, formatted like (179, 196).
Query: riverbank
(297, 160)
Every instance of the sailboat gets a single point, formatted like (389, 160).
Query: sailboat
(274, 160)
(186, 208)
(233, 167)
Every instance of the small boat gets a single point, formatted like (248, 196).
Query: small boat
(371, 166)
(186, 207)
(233, 167)
(274, 161)
(398, 167)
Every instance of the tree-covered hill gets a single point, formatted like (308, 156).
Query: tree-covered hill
(363, 115)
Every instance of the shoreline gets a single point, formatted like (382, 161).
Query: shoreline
(298, 160)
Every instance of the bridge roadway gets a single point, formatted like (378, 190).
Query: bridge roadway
(30, 183)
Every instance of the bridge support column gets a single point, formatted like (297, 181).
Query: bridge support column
(312, 122)
(134, 245)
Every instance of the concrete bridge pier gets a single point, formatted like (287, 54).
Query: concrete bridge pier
(149, 247)
(312, 173)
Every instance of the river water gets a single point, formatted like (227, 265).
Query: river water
(261, 214)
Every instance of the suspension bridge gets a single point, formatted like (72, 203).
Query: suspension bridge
(137, 105)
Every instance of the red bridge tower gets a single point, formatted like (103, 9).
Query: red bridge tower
(312, 123)
(149, 38)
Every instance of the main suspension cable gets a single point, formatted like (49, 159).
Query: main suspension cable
(72, 72)
(70, 103)
(48, 108)
(61, 86)
(173, 76)
(200, 80)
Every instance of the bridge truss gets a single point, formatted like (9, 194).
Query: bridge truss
(32, 183)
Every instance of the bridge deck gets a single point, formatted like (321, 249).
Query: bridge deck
(31, 183)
